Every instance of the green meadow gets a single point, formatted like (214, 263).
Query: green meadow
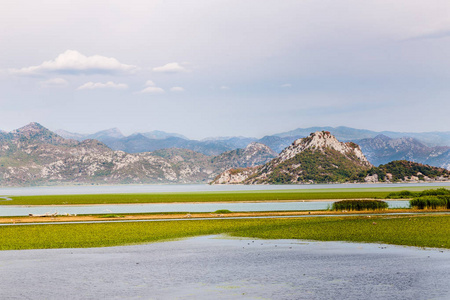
(304, 194)
(413, 230)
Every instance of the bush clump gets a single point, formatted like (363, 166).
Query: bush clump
(359, 205)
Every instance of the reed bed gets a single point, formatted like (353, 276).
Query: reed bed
(431, 202)
(359, 205)
(421, 231)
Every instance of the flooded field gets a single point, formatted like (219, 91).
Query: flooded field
(221, 268)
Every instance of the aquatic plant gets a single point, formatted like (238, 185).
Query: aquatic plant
(418, 230)
(431, 202)
(359, 205)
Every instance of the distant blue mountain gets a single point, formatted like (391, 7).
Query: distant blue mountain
(343, 133)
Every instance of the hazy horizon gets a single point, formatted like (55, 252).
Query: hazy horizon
(225, 68)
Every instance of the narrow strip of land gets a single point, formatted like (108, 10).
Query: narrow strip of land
(184, 216)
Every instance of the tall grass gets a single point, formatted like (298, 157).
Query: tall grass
(431, 202)
(359, 205)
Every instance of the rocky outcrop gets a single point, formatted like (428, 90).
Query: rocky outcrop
(254, 154)
(234, 176)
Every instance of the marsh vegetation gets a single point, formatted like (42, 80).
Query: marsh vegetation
(420, 231)
(359, 205)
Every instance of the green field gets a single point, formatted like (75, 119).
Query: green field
(421, 231)
(304, 194)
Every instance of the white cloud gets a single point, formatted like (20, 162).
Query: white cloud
(99, 85)
(73, 62)
(150, 83)
(152, 90)
(286, 85)
(54, 82)
(177, 89)
(170, 68)
(224, 87)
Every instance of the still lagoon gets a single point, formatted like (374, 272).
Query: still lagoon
(12, 210)
(216, 267)
(164, 188)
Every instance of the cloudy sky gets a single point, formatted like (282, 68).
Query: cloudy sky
(221, 68)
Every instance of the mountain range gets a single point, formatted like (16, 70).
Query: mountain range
(431, 148)
(34, 155)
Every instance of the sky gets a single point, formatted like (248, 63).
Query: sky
(225, 68)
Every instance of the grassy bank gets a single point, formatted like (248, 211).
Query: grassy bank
(309, 194)
(421, 231)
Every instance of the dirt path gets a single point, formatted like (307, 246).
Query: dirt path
(16, 220)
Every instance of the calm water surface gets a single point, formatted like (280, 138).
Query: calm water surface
(113, 189)
(12, 210)
(216, 268)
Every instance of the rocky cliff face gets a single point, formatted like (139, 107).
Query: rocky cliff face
(254, 154)
(317, 158)
(33, 155)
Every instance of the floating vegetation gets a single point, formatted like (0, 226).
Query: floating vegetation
(419, 231)
(359, 205)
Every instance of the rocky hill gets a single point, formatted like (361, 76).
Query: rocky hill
(405, 171)
(321, 158)
(33, 155)
(314, 159)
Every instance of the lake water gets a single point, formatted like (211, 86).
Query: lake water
(12, 210)
(218, 268)
(154, 188)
